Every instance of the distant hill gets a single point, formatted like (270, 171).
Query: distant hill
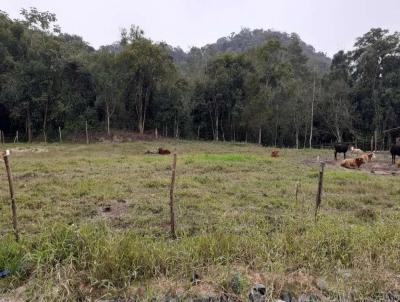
(243, 41)
(191, 62)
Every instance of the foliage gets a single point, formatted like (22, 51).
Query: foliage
(259, 86)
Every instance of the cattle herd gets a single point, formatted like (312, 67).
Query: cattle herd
(362, 157)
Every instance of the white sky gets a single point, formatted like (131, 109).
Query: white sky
(327, 25)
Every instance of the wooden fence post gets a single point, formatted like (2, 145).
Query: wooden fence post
(171, 198)
(319, 192)
(11, 186)
(87, 134)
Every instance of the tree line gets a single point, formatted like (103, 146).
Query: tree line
(269, 94)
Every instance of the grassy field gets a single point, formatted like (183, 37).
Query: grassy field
(238, 224)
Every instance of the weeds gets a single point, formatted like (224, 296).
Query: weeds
(236, 215)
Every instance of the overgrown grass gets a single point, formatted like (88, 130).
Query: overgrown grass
(236, 215)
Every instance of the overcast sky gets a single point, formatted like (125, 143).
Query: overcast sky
(327, 25)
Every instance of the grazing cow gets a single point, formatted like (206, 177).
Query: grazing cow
(355, 150)
(275, 153)
(352, 163)
(162, 151)
(341, 148)
(394, 150)
(368, 156)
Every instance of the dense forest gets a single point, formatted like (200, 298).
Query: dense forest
(258, 86)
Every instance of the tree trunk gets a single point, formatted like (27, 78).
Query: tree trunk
(259, 136)
(222, 131)
(312, 113)
(297, 138)
(87, 133)
(29, 126)
(305, 137)
(140, 126)
(108, 119)
(45, 122)
(216, 127)
(198, 132)
(338, 135)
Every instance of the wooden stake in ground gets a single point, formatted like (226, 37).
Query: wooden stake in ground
(156, 133)
(87, 134)
(297, 189)
(319, 192)
(171, 197)
(11, 185)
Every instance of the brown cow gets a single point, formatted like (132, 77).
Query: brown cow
(352, 163)
(163, 151)
(275, 153)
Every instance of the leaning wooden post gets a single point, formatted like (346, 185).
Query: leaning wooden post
(171, 198)
(59, 132)
(87, 134)
(319, 192)
(11, 185)
(297, 189)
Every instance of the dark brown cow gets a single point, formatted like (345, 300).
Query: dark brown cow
(275, 153)
(163, 151)
(341, 148)
(394, 150)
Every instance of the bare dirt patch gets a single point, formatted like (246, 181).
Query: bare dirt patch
(30, 150)
(113, 209)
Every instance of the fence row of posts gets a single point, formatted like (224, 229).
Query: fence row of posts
(6, 158)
